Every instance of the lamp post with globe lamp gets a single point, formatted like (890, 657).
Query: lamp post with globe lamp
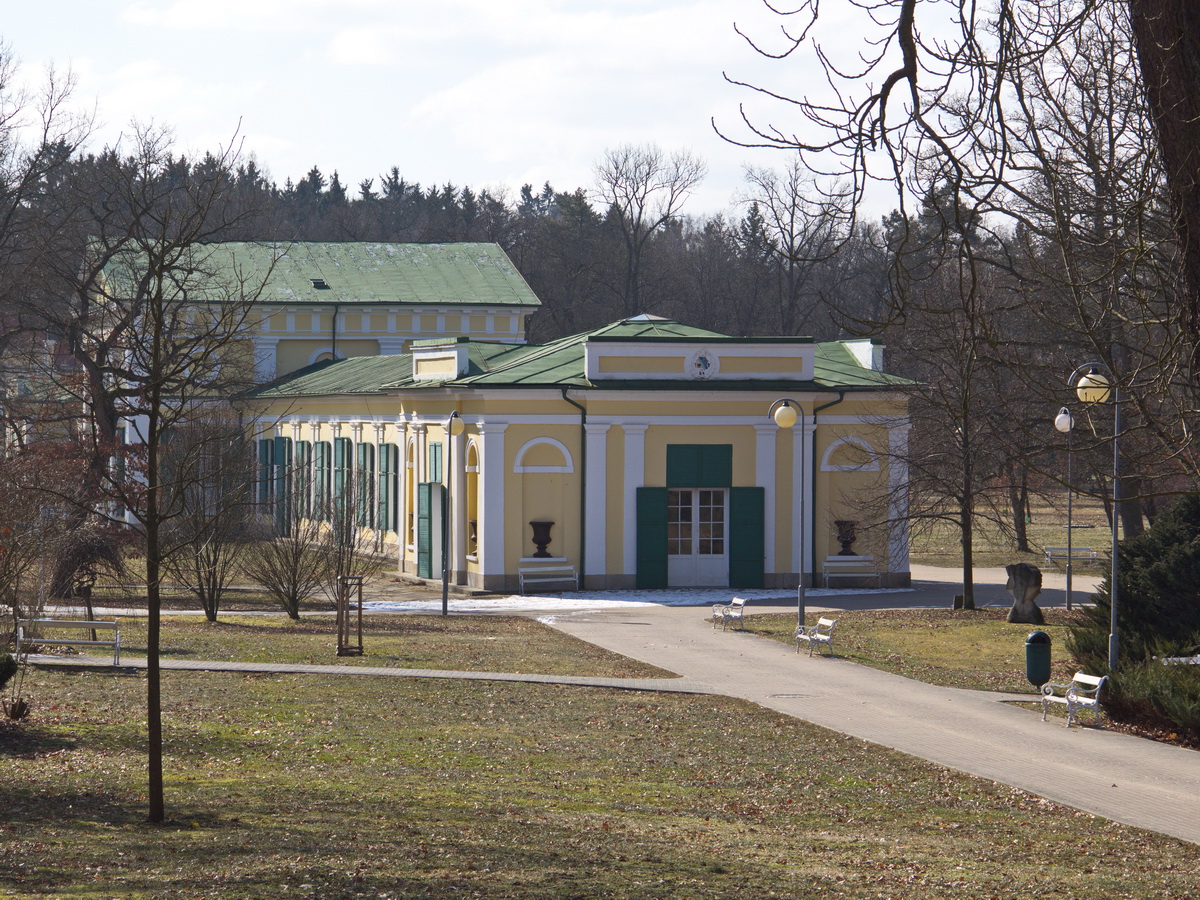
(785, 413)
(1064, 422)
(1092, 386)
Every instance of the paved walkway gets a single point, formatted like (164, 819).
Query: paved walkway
(1127, 779)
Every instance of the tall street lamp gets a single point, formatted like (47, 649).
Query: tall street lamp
(1092, 385)
(454, 427)
(785, 416)
(1064, 422)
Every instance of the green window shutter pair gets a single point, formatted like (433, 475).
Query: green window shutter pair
(435, 461)
(283, 484)
(389, 486)
(364, 475)
(266, 464)
(321, 473)
(700, 465)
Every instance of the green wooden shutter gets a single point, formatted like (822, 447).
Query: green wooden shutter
(303, 476)
(651, 537)
(266, 460)
(747, 516)
(424, 534)
(700, 465)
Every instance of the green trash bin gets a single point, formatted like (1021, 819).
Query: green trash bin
(1037, 658)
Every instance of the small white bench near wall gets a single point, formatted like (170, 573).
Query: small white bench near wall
(546, 571)
(849, 567)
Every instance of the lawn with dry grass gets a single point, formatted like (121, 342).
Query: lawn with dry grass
(328, 787)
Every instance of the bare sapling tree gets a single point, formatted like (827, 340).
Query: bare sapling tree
(216, 508)
(155, 321)
(644, 190)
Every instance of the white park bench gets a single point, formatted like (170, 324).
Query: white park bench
(1082, 693)
(32, 631)
(547, 575)
(820, 634)
(727, 612)
(1078, 554)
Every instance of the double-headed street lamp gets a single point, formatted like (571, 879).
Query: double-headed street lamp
(785, 415)
(1092, 385)
(454, 427)
(1064, 422)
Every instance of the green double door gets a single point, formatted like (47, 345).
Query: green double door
(699, 530)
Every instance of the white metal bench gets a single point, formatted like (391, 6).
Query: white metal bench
(1078, 554)
(1082, 693)
(820, 634)
(547, 575)
(27, 627)
(724, 613)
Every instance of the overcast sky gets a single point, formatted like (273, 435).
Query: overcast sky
(485, 93)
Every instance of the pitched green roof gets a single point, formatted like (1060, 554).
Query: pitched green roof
(471, 274)
(561, 363)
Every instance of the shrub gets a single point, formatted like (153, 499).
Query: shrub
(1159, 603)
(1163, 697)
(8, 668)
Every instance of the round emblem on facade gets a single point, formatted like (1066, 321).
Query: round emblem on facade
(702, 364)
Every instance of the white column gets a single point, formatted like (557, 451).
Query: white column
(635, 477)
(764, 476)
(456, 478)
(390, 346)
(596, 496)
(491, 499)
(898, 531)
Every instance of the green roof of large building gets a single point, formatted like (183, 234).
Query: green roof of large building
(465, 274)
(561, 363)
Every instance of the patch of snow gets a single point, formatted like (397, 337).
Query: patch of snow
(599, 600)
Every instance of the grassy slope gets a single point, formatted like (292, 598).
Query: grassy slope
(293, 786)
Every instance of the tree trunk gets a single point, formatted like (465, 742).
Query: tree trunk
(1167, 36)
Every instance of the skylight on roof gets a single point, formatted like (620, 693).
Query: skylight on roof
(319, 284)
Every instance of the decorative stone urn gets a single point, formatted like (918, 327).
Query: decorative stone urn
(846, 534)
(541, 537)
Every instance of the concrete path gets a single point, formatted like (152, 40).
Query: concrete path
(1127, 779)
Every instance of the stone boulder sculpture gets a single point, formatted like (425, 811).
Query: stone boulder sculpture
(1025, 583)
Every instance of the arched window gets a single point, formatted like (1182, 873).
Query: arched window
(546, 455)
(850, 454)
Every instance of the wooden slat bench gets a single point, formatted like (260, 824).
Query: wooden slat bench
(1082, 693)
(724, 613)
(1078, 554)
(27, 627)
(547, 575)
(820, 634)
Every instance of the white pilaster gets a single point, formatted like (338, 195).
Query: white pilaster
(635, 477)
(491, 499)
(595, 496)
(765, 436)
(898, 531)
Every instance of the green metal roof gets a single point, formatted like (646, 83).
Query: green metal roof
(466, 274)
(561, 363)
